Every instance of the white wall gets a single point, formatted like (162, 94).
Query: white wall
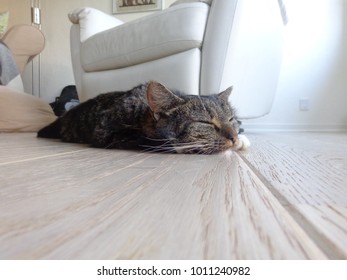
(56, 68)
(314, 68)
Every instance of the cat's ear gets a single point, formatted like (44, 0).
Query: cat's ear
(224, 95)
(161, 99)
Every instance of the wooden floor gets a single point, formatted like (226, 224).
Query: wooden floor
(286, 198)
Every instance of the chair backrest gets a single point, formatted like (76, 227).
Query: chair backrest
(25, 42)
(243, 47)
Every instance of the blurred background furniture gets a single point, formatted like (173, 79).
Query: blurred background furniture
(20, 112)
(198, 47)
(24, 42)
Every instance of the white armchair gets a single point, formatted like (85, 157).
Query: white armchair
(192, 46)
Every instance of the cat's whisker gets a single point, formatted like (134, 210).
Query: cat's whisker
(157, 139)
(187, 148)
(200, 147)
(164, 148)
(176, 147)
(162, 151)
(108, 146)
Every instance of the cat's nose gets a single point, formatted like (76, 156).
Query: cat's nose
(229, 134)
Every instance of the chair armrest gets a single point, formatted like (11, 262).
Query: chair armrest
(155, 36)
(92, 21)
(25, 42)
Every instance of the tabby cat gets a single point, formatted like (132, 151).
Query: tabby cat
(152, 117)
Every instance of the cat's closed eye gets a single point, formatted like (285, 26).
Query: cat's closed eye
(212, 124)
(206, 122)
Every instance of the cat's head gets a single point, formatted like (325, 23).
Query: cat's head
(192, 124)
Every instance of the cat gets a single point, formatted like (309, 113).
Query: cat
(152, 117)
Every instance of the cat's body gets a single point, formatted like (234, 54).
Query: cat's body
(152, 117)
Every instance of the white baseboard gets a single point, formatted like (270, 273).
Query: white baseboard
(261, 127)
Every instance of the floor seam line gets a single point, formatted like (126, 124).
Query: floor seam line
(37, 158)
(330, 250)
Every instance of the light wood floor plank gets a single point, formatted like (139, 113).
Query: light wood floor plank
(109, 204)
(17, 147)
(307, 172)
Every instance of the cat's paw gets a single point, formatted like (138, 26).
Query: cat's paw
(243, 143)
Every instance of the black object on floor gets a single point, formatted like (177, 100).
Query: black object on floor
(241, 130)
(67, 100)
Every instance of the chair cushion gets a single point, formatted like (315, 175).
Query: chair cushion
(25, 42)
(161, 34)
(92, 21)
(21, 112)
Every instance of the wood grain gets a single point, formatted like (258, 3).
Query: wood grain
(16, 147)
(307, 172)
(67, 201)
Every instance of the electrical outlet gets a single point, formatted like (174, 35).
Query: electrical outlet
(304, 104)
